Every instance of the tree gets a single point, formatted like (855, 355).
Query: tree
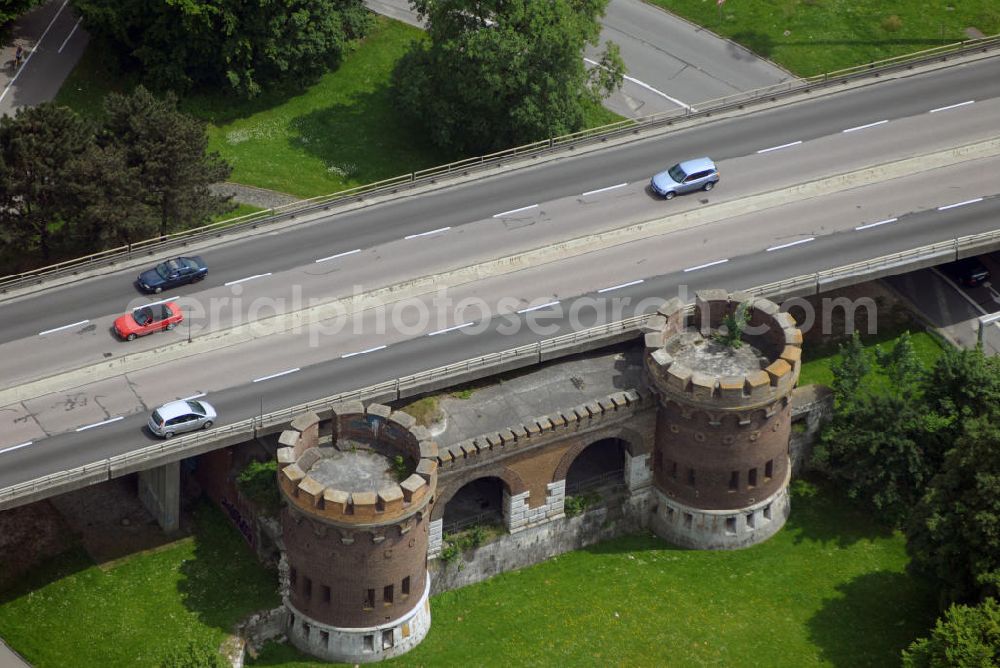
(11, 9)
(40, 148)
(961, 385)
(873, 445)
(501, 73)
(954, 532)
(967, 637)
(166, 150)
(242, 45)
(108, 202)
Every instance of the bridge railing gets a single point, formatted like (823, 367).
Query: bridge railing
(178, 240)
(471, 369)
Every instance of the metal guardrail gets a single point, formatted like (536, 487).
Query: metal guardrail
(616, 476)
(485, 365)
(486, 518)
(114, 256)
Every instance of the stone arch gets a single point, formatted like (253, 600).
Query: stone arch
(600, 464)
(635, 444)
(446, 490)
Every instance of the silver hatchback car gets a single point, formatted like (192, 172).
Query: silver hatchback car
(178, 417)
(697, 174)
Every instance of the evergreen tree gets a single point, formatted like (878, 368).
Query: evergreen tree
(109, 210)
(40, 147)
(166, 150)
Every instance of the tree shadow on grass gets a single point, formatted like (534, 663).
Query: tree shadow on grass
(53, 569)
(875, 616)
(366, 138)
(224, 582)
(821, 513)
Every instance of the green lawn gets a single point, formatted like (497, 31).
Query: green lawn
(811, 37)
(341, 132)
(817, 362)
(70, 612)
(828, 590)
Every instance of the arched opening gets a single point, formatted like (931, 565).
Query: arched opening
(601, 465)
(479, 502)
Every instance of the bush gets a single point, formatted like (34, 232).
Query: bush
(965, 636)
(258, 483)
(400, 468)
(574, 505)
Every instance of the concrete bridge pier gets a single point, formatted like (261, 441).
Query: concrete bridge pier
(160, 493)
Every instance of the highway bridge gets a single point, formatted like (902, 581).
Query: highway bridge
(472, 266)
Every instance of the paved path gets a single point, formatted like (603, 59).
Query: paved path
(54, 42)
(11, 659)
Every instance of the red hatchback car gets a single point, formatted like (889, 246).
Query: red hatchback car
(148, 319)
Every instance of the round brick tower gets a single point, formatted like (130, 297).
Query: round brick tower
(720, 463)
(354, 572)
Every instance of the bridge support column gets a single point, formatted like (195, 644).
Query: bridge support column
(160, 493)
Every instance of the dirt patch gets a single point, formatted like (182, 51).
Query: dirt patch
(110, 520)
(29, 535)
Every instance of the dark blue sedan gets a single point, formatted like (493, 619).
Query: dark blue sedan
(172, 273)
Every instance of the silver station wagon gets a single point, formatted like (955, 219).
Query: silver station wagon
(178, 417)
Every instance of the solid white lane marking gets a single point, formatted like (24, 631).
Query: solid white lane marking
(334, 257)
(71, 33)
(363, 352)
(31, 52)
(881, 222)
(790, 244)
(451, 329)
(648, 87)
(275, 375)
(158, 301)
(864, 127)
(57, 329)
(951, 106)
(952, 206)
(248, 278)
(535, 308)
(193, 396)
(98, 424)
(603, 190)
(707, 264)
(778, 148)
(507, 213)
(424, 234)
(623, 285)
(16, 447)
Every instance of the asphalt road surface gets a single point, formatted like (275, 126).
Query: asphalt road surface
(920, 114)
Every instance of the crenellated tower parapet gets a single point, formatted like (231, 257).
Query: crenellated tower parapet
(721, 463)
(355, 529)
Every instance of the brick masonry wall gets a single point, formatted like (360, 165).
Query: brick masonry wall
(531, 456)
